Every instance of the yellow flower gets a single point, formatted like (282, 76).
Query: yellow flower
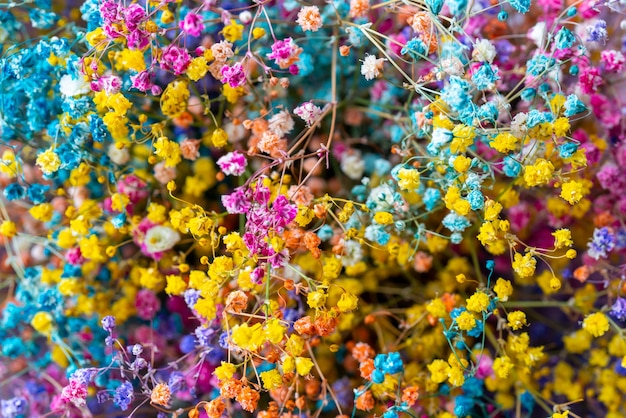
(197, 68)
(561, 127)
(295, 345)
(271, 379)
(248, 337)
(221, 268)
(502, 366)
(504, 142)
(538, 173)
(436, 308)
(225, 371)
(232, 94)
(462, 163)
(409, 179)
(174, 99)
(274, 331)
(463, 137)
(524, 265)
(42, 322)
(8, 229)
(219, 138)
(478, 302)
(258, 33)
(562, 238)
(42, 212)
(48, 161)
(383, 218)
(168, 150)
(119, 202)
(466, 321)
(572, 192)
(503, 289)
(439, 370)
(206, 308)
(517, 319)
(347, 302)
(303, 365)
(596, 324)
(233, 31)
(560, 415)
(316, 299)
(175, 285)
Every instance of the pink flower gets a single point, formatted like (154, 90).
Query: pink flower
(234, 76)
(75, 392)
(133, 16)
(110, 11)
(613, 61)
(192, 24)
(175, 59)
(233, 164)
(138, 39)
(285, 53)
(308, 112)
(74, 256)
(589, 80)
(133, 187)
(147, 304)
(142, 81)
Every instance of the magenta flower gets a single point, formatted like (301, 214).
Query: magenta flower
(133, 16)
(233, 163)
(138, 39)
(236, 202)
(192, 24)
(175, 59)
(75, 392)
(234, 76)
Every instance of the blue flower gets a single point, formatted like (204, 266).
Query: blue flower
(564, 38)
(455, 222)
(573, 106)
(511, 167)
(485, 77)
(14, 192)
(602, 243)
(434, 5)
(522, 6)
(528, 94)
(536, 117)
(431, 198)
(476, 199)
(618, 310)
(568, 149)
(325, 233)
(415, 48)
(539, 65)
(463, 405)
(124, 395)
(456, 6)
(37, 193)
(14, 407)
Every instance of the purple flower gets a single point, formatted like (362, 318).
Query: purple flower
(602, 243)
(618, 310)
(204, 335)
(233, 163)
(191, 297)
(102, 396)
(108, 323)
(142, 81)
(11, 408)
(84, 376)
(596, 32)
(124, 395)
(233, 76)
(285, 211)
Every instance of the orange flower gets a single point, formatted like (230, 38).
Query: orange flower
(300, 195)
(311, 242)
(423, 262)
(366, 368)
(304, 326)
(325, 325)
(248, 398)
(231, 388)
(362, 351)
(160, 394)
(365, 402)
(359, 8)
(582, 273)
(410, 395)
(189, 149)
(236, 301)
(215, 408)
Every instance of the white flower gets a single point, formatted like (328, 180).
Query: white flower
(484, 51)
(452, 66)
(308, 112)
(70, 87)
(160, 238)
(353, 165)
(118, 156)
(281, 123)
(372, 66)
(245, 17)
(518, 125)
(352, 253)
(537, 34)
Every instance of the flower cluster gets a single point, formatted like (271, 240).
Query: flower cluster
(320, 208)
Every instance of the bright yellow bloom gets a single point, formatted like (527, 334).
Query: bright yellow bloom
(524, 265)
(8, 229)
(462, 163)
(303, 365)
(517, 319)
(219, 138)
(383, 218)
(271, 379)
(596, 324)
(409, 179)
(572, 192)
(562, 238)
(504, 142)
(48, 161)
(538, 173)
(225, 371)
(463, 137)
(197, 68)
(168, 150)
(42, 322)
(316, 299)
(347, 302)
(42, 212)
(503, 289)
(466, 321)
(175, 285)
(478, 302)
(502, 366)
(439, 370)
(233, 31)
